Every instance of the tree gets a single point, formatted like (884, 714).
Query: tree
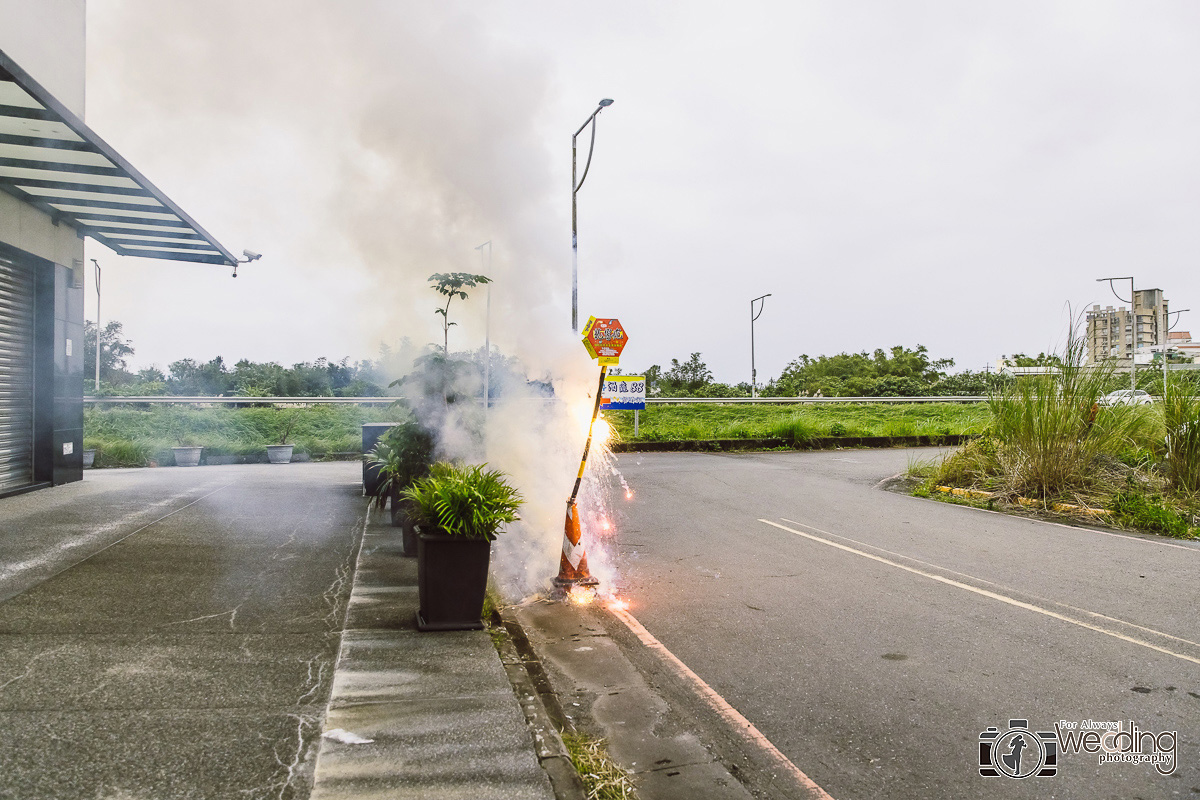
(450, 285)
(1040, 360)
(113, 351)
(690, 376)
(894, 372)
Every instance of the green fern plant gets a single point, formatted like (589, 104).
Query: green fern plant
(468, 501)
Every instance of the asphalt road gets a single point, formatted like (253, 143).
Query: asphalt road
(171, 633)
(873, 637)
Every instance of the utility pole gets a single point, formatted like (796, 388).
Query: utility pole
(753, 317)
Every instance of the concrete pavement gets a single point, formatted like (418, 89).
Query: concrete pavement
(175, 632)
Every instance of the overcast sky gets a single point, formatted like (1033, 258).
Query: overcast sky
(944, 173)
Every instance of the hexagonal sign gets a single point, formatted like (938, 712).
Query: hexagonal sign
(604, 340)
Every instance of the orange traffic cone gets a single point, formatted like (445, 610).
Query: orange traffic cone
(572, 566)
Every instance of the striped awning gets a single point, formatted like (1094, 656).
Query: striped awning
(51, 159)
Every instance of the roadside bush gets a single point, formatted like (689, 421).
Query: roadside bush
(1181, 419)
(1137, 510)
(1052, 434)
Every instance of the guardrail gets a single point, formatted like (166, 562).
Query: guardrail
(815, 400)
(307, 401)
(367, 401)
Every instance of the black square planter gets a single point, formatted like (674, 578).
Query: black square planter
(452, 575)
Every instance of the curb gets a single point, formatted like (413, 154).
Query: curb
(543, 712)
(817, 443)
(979, 494)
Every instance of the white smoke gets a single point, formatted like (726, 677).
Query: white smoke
(380, 142)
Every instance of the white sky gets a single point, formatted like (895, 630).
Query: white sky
(942, 173)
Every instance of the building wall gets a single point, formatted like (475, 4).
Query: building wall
(46, 38)
(1121, 333)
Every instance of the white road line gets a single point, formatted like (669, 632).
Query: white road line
(740, 725)
(1012, 601)
(1094, 614)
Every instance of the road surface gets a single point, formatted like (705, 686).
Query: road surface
(874, 637)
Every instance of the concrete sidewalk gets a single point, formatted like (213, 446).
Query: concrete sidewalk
(420, 715)
(175, 632)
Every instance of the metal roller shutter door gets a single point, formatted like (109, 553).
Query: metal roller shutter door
(16, 375)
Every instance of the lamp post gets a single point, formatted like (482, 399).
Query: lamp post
(753, 317)
(575, 187)
(487, 330)
(1133, 316)
(1166, 345)
(96, 387)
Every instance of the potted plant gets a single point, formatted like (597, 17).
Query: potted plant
(281, 452)
(187, 454)
(187, 451)
(401, 456)
(460, 510)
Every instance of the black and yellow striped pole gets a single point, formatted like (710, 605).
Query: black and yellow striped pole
(572, 566)
(604, 340)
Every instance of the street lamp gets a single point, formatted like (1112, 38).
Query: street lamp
(1166, 345)
(487, 330)
(753, 316)
(575, 187)
(1133, 316)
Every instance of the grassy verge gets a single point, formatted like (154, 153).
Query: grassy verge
(135, 437)
(1053, 442)
(702, 421)
(602, 778)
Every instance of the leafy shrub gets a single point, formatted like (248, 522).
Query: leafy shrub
(1135, 509)
(472, 502)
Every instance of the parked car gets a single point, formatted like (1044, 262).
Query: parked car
(1127, 397)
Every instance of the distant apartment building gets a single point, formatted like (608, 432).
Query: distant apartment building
(1128, 335)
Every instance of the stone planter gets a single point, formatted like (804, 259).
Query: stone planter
(187, 456)
(89, 458)
(452, 577)
(279, 453)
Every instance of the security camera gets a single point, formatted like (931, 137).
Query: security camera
(251, 255)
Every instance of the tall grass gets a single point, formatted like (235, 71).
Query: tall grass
(1054, 439)
(1181, 420)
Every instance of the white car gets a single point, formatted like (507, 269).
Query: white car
(1127, 397)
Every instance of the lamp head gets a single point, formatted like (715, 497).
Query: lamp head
(606, 102)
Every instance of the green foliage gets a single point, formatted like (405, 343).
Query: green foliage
(1040, 360)
(1149, 513)
(403, 455)
(114, 350)
(468, 501)
(1181, 418)
(1053, 436)
(143, 434)
(700, 421)
(450, 285)
(898, 373)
